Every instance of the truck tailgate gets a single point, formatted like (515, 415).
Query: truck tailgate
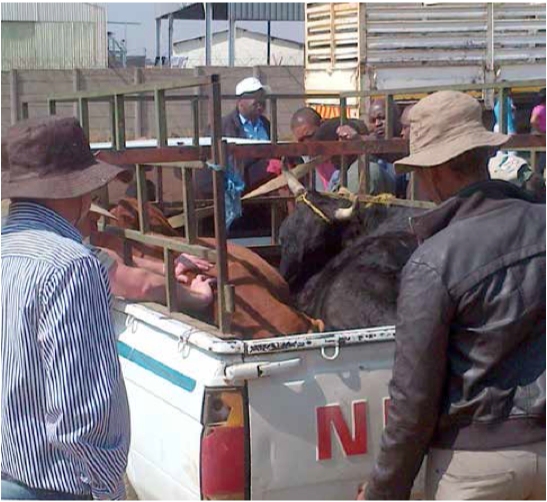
(315, 428)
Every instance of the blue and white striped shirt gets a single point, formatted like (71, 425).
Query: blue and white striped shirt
(65, 418)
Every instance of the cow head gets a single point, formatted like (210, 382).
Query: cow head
(313, 233)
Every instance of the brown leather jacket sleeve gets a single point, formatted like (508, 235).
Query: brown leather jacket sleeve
(424, 311)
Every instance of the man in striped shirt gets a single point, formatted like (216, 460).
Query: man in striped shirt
(65, 418)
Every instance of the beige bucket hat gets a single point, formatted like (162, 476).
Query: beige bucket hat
(443, 126)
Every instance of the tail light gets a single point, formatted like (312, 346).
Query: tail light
(225, 446)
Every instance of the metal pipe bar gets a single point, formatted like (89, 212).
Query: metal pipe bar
(208, 33)
(142, 199)
(152, 155)
(119, 114)
(182, 83)
(180, 97)
(164, 241)
(231, 35)
(195, 120)
(170, 281)
(219, 158)
(502, 110)
(189, 206)
(159, 186)
(204, 80)
(313, 148)
(459, 87)
(158, 38)
(161, 117)
(83, 111)
(390, 116)
(170, 21)
(112, 112)
(343, 158)
(273, 120)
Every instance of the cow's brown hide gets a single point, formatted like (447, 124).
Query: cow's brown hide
(263, 303)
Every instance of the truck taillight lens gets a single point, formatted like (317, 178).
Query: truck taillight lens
(224, 446)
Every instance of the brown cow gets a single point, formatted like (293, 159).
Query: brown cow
(263, 303)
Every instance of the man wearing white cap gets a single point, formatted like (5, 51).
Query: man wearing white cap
(247, 121)
(468, 385)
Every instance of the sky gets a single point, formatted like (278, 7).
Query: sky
(142, 39)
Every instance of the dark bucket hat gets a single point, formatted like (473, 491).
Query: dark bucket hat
(50, 158)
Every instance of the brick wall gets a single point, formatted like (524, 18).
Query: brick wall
(34, 86)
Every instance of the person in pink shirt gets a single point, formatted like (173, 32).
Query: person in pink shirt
(307, 125)
(537, 120)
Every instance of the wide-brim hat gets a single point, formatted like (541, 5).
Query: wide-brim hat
(443, 126)
(50, 158)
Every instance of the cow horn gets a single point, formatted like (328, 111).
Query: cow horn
(292, 182)
(344, 214)
(95, 208)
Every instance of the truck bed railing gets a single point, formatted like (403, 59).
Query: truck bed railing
(189, 157)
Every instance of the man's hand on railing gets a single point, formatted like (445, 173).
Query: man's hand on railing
(187, 263)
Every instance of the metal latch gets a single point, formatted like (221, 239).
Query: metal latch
(335, 345)
(250, 371)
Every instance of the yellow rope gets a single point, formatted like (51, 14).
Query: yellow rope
(303, 198)
(383, 198)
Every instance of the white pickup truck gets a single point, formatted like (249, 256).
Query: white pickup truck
(298, 417)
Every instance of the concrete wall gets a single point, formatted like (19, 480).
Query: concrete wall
(34, 87)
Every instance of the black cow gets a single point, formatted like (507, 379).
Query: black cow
(342, 263)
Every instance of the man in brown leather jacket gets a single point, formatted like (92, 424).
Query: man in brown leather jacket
(468, 386)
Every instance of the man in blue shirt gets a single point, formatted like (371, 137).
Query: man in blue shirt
(248, 122)
(65, 418)
(247, 119)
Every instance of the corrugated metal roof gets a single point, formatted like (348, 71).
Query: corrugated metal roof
(266, 11)
(52, 12)
(256, 11)
(53, 36)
